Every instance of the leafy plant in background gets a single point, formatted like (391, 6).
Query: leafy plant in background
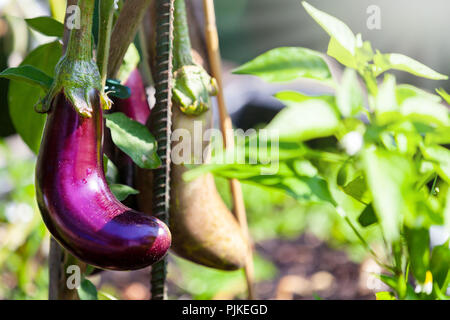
(377, 156)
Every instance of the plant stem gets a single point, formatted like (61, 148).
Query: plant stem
(104, 37)
(366, 245)
(161, 127)
(80, 42)
(124, 32)
(182, 54)
(226, 127)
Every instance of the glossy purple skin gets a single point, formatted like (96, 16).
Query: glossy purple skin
(136, 106)
(76, 203)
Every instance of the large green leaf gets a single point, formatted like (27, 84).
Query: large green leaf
(334, 27)
(441, 157)
(22, 97)
(304, 121)
(134, 139)
(47, 26)
(28, 74)
(349, 96)
(440, 263)
(388, 176)
(337, 51)
(426, 111)
(286, 64)
(386, 99)
(418, 240)
(403, 63)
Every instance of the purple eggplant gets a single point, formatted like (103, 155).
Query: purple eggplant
(76, 203)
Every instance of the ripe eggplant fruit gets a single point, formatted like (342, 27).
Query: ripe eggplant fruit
(76, 203)
(206, 231)
(203, 229)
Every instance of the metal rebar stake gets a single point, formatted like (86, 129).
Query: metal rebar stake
(161, 127)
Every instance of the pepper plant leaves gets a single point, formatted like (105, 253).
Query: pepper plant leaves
(423, 110)
(367, 216)
(286, 64)
(47, 26)
(349, 96)
(22, 97)
(28, 74)
(334, 27)
(304, 121)
(418, 240)
(388, 175)
(441, 157)
(134, 139)
(401, 62)
(440, 264)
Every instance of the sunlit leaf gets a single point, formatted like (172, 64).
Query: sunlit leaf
(334, 27)
(286, 64)
(134, 139)
(403, 63)
(349, 96)
(304, 121)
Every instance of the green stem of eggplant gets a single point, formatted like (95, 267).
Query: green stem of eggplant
(80, 42)
(182, 55)
(104, 37)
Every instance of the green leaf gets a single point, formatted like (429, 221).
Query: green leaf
(349, 96)
(385, 295)
(337, 51)
(304, 121)
(28, 74)
(307, 189)
(405, 91)
(418, 240)
(22, 97)
(426, 111)
(134, 139)
(403, 63)
(357, 189)
(286, 64)
(444, 94)
(47, 26)
(441, 157)
(121, 191)
(440, 263)
(294, 97)
(87, 290)
(386, 100)
(334, 27)
(367, 217)
(388, 175)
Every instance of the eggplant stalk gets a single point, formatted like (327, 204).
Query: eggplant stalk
(193, 86)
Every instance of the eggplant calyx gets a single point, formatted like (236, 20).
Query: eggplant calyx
(192, 89)
(77, 79)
